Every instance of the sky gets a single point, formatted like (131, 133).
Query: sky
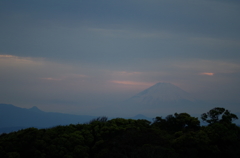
(75, 56)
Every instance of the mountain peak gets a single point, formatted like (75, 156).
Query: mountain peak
(162, 83)
(162, 92)
(141, 116)
(35, 109)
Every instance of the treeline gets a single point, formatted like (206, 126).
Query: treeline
(176, 136)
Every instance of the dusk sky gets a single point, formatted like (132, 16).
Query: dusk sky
(75, 56)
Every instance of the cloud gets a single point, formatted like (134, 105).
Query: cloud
(27, 77)
(78, 52)
(67, 77)
(11, 59)
(207, 73)
(39, 81)
(7, 56)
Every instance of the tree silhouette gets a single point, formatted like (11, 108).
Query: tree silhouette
(218, 114)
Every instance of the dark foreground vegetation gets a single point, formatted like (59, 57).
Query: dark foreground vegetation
(176, 136)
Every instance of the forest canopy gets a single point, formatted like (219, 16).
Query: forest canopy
(176, 136)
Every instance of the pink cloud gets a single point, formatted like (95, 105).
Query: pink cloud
(207, 73)
(7, 56)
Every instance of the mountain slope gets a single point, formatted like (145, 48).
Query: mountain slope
(162, 92)
(12, 116)
(159, 99)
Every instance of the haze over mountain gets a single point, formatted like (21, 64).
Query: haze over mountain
(13, 118)
(162, 93)
(161, 98)
(78, 56)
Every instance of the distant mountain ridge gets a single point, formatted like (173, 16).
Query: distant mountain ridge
(14, 118)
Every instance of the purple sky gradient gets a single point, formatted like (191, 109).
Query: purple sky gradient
(77, 56)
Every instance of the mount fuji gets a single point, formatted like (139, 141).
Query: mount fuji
(162, 93)
(161, 98)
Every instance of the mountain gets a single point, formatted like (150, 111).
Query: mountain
(12, 117)
(35, 109)
(141, 117)
(161, 98)
(162, 92)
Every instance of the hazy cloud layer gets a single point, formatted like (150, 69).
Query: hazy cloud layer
(63, 55)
